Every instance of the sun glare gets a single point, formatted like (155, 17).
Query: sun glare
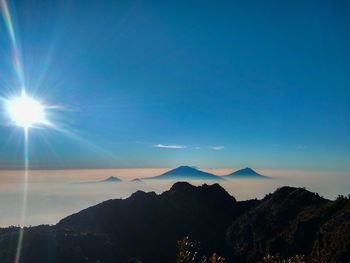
(25, 111)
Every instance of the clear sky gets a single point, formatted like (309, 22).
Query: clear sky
(215, 84)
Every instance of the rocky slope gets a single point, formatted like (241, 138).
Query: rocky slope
(147, 226)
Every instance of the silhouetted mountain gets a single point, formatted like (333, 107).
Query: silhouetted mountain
(186, 173)
(137, 180)
(110, 179)
(246, 173)
(293, 221)
(146, 227)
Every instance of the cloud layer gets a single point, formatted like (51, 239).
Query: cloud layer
(217, 148)
(169, 146)
(301, 147)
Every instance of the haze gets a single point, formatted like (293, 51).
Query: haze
(54, 194)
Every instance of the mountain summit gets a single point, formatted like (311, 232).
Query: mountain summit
(245, 173)
(186, 173)
(111, 179)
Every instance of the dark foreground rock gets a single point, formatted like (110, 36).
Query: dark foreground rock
(147, 226)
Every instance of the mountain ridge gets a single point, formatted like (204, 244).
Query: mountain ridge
(146, 226)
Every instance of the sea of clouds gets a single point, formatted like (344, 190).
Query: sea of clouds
(54, 194)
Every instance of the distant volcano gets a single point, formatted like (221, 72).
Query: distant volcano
(110, 179)
(186, 173)
(246, 173)
(137, 180)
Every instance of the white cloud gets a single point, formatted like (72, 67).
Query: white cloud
(301, 147)
(169, 146)
(217, 148)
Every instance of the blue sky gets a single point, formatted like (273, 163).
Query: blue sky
(162, 83)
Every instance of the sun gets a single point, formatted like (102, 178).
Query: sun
(25, 111)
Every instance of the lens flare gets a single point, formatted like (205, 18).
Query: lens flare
(25, 111)
(28, 113)
(11, 32)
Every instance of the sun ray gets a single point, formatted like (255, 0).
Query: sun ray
(25, 111)
(87, 143)
(19, 74)
(17, 65)
(25, 193)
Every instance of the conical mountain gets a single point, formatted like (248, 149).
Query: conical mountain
(246, 173)
(111, 179)
(186, 173)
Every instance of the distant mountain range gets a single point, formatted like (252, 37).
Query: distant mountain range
(190, 173)
(146, 227)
